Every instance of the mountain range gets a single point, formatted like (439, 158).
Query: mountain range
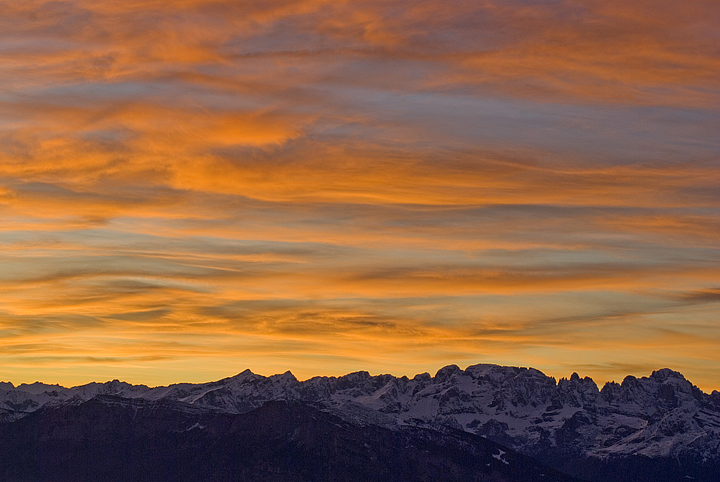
(484, 423)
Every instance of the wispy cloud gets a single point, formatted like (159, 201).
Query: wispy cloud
(326, 186)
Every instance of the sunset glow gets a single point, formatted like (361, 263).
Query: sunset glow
(191, 188)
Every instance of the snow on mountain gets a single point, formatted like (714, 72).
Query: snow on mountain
(662, 415)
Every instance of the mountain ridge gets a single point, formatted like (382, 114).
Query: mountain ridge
(569, 424)
(38, 386)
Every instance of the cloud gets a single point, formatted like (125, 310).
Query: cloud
(394, 185)
(590, 51)
(702, 296)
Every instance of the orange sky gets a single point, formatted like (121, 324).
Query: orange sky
(192, 188)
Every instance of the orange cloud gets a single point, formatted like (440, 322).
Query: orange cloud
(341, 185)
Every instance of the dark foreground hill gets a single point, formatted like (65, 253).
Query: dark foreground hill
(115, 439)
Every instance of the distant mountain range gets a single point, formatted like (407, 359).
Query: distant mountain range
(484, 423)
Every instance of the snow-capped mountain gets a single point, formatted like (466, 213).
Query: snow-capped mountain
(661, 422)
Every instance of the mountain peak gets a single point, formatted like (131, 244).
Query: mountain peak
(285, 377)
(446, 372)
(243, 376)
(37, 387)
(664, 373)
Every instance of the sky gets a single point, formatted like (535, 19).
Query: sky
(191, 188)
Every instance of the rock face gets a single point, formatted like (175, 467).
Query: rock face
(659, 428)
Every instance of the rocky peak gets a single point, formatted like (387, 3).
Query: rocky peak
(577, 392)
(243, 377)
(445, 373)
(39, 387)
(286, 378)
(422, 377)
(665, 373)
